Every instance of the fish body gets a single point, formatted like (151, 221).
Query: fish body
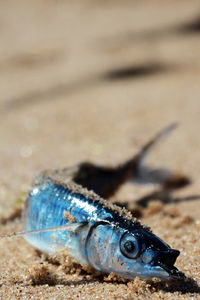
(52, 204)
(65, 210)
(98, 233)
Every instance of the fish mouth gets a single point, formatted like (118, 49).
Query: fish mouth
(173, 272)
(166, 260)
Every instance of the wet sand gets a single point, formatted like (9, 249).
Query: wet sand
(93, 81)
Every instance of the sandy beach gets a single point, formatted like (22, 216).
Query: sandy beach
(94, 81)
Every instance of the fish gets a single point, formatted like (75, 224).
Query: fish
(66, 209)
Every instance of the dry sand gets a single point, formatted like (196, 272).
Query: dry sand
(93, 80)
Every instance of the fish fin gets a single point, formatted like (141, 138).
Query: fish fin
(132, 168)
(153, 141)
(145, 149)
(145, 174)
(72, 227)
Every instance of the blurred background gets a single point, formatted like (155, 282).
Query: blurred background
(93, 80)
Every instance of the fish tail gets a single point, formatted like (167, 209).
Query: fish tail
(131, 166)
(146, 148)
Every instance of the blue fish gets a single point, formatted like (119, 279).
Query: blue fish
(66, 209)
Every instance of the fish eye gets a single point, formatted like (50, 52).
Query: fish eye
(129, 245)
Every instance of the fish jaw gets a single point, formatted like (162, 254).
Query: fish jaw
(149, 272)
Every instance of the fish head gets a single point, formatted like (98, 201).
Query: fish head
(131, 252)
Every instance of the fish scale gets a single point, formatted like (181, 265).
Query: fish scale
(46, 205)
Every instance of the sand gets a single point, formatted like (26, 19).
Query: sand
(93, 81)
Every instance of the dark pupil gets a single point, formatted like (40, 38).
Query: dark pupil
(129, 246)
